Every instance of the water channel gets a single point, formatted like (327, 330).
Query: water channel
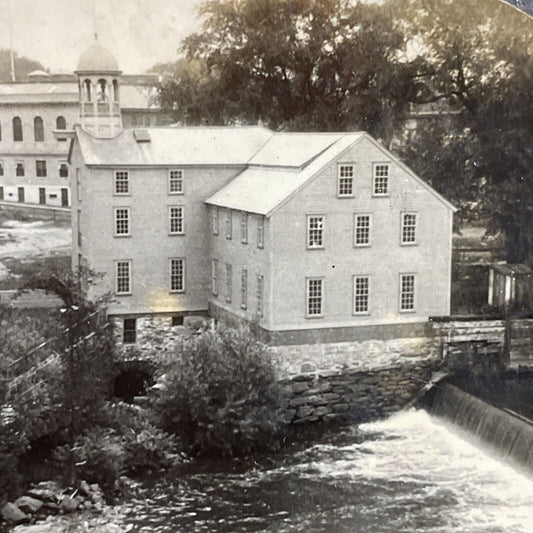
(411, 472)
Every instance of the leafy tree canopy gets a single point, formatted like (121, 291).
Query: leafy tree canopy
(23, 66)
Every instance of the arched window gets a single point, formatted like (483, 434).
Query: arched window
(101, 95)
(115, 91)
(87, 84)
(61, 123)
(19, 169)
(17, 129)
(38, 129)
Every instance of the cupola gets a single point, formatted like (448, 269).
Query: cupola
(99, 86)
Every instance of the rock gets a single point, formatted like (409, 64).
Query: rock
(84, 488)
(70, 504)
(45, 491)
(12, 514)
(27, 504)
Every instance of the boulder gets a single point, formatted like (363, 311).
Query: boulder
(45, 491)
(12, 514)
(27, 504)
(70, 504)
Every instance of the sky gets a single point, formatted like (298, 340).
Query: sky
(140, 33)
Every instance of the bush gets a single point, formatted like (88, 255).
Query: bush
(222, 395)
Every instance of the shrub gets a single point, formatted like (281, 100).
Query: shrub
(222, 395)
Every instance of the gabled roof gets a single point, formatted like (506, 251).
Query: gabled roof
(261, 189)
(175, 146)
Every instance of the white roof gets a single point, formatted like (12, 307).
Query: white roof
(262, 189)
(176, 146)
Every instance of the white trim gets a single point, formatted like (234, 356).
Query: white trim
(129, 291)
(403, 214)
(127, 181)
(339, 177)
(355, 217)
(369, 285)
(180, 180)
(321, 229)
(400, 276)
(322, 296)
(181, 219)
(128, 219)
(183, 274)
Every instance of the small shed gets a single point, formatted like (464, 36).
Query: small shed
(510, 284)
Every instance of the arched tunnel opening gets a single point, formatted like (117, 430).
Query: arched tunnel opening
(131, 383)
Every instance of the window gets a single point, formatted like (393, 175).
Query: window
(228, 282)
(1, 168)
(362, 230)
(345, 181)
(175, 217)
(19, 169)
(244, 228)
(122, 182)
(407, 292)
(361, 294)
(38, 129)
(40, 168)
(315, 229)
(122, 221)
(259, 295)
(228, 224)
(79, 228)
(214, 277)
(1, 192)
(381, 179)
(215, 219)
(261, 231)
(130, 330)
(101, 91)
(244, 288)
(0, 131)
(408, 228)
(87, 85)
(177, 275)
(178, 320)
(123, 277)
(61, 124)
(17, 129)
(63, 170)
(115, 91)
(315, 288)
(175, 182)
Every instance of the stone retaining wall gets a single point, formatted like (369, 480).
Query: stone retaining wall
(354, 396)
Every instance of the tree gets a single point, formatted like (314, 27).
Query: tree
(23, 66)
(479, 63)
(303, 64)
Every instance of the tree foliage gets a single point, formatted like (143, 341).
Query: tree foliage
(222, 395)
(300, 64)
(23, 66)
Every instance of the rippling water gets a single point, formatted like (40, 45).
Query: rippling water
(407, 473)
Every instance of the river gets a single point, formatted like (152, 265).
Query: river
(410, 472)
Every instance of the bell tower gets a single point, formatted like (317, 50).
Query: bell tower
(99, 86)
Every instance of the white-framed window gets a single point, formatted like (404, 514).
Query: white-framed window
(244, 227)
(122, 182)
(407, 292)
(175, 181)
(314, 297)
(408, 235)
(229, 274)
(244, 288)
(122, 221)
(362, 226)
(175, 220)
(214, 277)
(215, 219)
(315, 231)
(177, 274)
(229, 228)
(123, 278)
(345, 181)
(260, 231)
(361, 295)
(259, 294)
(380, 186)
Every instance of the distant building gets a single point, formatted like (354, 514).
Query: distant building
(316, 236)
(33, 164)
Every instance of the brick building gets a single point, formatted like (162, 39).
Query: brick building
(317, 236)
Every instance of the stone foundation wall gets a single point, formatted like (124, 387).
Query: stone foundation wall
(354, 396)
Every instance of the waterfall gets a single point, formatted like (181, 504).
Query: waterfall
(509, 435)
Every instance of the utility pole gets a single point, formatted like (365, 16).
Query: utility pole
(11, 40)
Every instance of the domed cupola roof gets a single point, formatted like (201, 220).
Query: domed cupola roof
(97, 59)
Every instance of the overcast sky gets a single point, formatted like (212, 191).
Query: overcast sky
(140, 33)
